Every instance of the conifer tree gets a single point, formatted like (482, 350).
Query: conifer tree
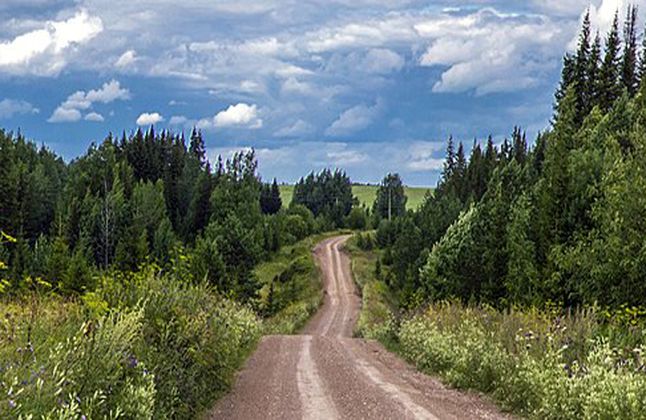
(391, 199)
(641, 72)
(593, 75)
(567, 77)
(196, 147)
(629, 59)
(609, 81)
(581, 64)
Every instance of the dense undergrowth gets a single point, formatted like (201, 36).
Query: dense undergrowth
(142, 346)
(292, 290)
(146, 344)
(538, 363)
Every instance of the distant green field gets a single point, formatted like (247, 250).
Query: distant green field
(366, 194)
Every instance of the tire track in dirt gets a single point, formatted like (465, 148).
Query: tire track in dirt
(326, 374)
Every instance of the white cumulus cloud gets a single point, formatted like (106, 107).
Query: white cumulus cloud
(240, 115)
(127, 59)
(178, 120)
(42, 51)
(299, 128)
(65, 115)
(69, 110)
(149, 119)
(94, 117)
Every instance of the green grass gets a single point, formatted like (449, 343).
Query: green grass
(537, 363)
(366, 194)
(378, 303)
(297, 289)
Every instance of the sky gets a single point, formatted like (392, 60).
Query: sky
(369, 86)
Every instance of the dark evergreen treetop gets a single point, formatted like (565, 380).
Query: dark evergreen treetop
(629, 70)
(391, 198)
(609, 74)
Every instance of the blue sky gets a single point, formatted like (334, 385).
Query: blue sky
(370, 86)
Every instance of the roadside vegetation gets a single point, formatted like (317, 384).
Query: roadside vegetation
(135, 280)
(521, 276)
(292, 288)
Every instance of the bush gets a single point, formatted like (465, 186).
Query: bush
(142, 346)
(535, 363)
(357, 219)
(58, 366)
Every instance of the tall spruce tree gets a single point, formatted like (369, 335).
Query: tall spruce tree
(592, 77)
(580, 72)
(391, 199)
(629, 76)
(609, 81)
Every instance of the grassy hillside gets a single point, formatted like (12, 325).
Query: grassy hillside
(366, 194)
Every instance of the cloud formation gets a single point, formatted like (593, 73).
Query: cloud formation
(94, 117)
(11, 107)
(241, 115)
(43, 51)
(70, 109)
(354, 119)
(149, 119)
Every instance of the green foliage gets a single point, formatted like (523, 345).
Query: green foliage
(537, 364)
(327, 195)
(391, 199)
(376, 319)
(270, 201)
(357, 219)
(291, 287)
(141, 346)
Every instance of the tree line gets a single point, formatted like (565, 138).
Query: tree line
(559, 222)
(150, 198)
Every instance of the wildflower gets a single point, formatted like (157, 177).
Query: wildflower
(132, 362)
(83, 417)
(12, 404)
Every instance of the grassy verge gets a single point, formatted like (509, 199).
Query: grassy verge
(142, 346)
(536, 363)
(378, 303)
(292, 290)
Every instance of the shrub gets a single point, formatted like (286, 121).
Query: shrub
(141, 346)
(538, 364)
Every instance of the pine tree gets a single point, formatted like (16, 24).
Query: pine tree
(641, 72)
(593, 75)
(449, 163)
(391, 199)
(567, 77)
(581, 64)
(270, 201)
(461, 174)
(275, 196)
(629, 62)
(519, 145)
(609, 82)
(197, 148)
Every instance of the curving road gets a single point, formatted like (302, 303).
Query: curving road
(326, 374)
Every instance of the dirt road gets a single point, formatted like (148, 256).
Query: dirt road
(326, 374)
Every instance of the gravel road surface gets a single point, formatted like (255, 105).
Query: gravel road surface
(324, 373)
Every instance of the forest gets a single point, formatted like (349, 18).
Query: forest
(559, 222)
(144, 252)
(522, 275)
(136, 278)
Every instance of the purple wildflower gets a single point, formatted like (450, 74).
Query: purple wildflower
(12, 404)
(132, 362)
